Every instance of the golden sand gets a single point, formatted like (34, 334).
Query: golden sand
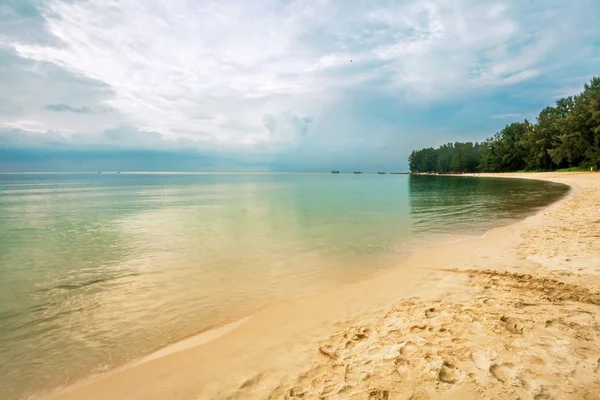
(513, 315)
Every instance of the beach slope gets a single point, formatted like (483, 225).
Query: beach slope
(515, 314)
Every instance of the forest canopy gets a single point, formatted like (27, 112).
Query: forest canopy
(565, 135)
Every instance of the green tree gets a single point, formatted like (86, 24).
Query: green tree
(565, 135)
(540, 138)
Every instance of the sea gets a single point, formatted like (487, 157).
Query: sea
(100, 269)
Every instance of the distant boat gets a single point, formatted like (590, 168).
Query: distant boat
(335, 172)
(381, 173)
(118, 172)
(357, 172)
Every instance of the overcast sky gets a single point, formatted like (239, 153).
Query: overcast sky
(277, 85)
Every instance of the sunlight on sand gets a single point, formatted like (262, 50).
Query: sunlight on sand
(511, 315)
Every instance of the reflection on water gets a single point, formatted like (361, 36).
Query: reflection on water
(96, 270)
(441, 204)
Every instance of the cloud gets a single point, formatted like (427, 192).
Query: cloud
(571, 86)
(117, 137)
(283, 77)
(92, 160)
(120, 148)
(286, 127)
(23, 20)
(506, 116)
(65, 107)
(28, 87)
(520, 76)
(167, 67)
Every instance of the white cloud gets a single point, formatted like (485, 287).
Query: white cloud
(25, 125)
(286, 127)
(506, 116)
(224, 72)
(520, 76)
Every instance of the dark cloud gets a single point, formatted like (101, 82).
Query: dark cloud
(117, 149)
(65, 107)
(41, 91)
(118, 137)
(78, 160)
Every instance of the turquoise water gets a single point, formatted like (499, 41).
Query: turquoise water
(99, 269)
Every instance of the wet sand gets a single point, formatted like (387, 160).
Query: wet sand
(512, 315)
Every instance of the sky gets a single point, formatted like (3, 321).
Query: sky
(276, 85)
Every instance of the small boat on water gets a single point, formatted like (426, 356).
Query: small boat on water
(118, 172)
(357, 172)
(381, 173)
(335, 172)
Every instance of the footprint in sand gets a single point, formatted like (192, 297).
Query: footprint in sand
(448, 373)
(296, 392)
(409, 349)
(253, 381)
(513, 325)
(542, 396)
(360, 334)
(379, 394)
(417, 328)
(402, 367)
(431, 312)
(443, 331)
(483, 358)
(328, 350)
(502, 372)
(390, 352)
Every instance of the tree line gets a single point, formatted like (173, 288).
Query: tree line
(565, 135)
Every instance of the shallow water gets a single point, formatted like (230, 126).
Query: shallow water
(100, 269)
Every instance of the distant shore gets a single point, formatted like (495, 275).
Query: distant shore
(514, 314)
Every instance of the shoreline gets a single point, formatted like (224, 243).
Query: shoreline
(290, 343)
(210, 334)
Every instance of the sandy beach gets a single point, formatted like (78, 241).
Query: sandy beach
(514, 314)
